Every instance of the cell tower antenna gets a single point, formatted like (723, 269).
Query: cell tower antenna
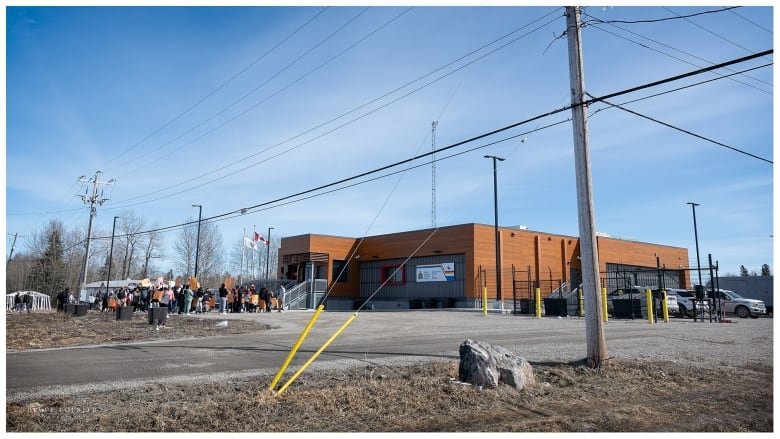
(433, 173)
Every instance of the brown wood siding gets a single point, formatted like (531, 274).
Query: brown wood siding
(544, 252)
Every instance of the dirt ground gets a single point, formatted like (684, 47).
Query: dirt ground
(625, 396)
(53, 330)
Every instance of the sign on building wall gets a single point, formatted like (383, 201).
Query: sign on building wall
(444, 272)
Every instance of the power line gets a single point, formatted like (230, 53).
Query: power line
(271, 78)
(241, 160)
(220, 87)
(684, 87)
(675, 49)
(710, 31)
(691, 133)
(289, 198)
(472, 139)
(682, 76)
(678, 17)
(751, 21)
(267, 98)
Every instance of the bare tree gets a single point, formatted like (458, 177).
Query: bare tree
(151, 243)
(129, 226)
(210, 254)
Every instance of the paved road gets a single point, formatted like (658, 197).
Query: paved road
(378, 335)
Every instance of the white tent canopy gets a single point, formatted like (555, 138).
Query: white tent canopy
(40, 302)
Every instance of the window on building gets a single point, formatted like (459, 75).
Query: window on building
(393, 274)
(337, 267)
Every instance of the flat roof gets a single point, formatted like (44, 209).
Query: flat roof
(514, 229)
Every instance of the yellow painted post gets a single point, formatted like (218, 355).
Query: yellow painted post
(665, 307)
(484, 300)
(317, 354)
(649, 295)
(538, 303)
(580, 303)
(296, 346)
(604, 304)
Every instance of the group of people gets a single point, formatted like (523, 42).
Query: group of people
(181, 299)
(250, 299)
(23, 302)
(63, 297)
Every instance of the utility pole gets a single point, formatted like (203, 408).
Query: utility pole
(589, 256)
(197, 239)
(696, 236)
(92, 201)
(111, 255)
(434, 124)
(268, 252)
(495, 223)
(10, 255)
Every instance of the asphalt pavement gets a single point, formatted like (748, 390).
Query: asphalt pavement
(374, 337)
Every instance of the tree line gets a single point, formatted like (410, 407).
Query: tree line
(53, 258)
(743, 271)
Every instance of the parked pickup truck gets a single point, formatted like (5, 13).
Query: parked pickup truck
(733, 303)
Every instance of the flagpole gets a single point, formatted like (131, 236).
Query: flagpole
(243, 250)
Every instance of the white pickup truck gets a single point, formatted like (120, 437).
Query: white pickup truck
(733, 303)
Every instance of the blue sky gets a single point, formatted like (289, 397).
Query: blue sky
(85, 85)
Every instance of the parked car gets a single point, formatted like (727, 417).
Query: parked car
(685, 302)
(733, 303)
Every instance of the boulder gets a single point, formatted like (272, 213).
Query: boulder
(484, 365)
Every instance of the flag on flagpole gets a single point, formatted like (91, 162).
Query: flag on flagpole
(259, 237)
(248, 243)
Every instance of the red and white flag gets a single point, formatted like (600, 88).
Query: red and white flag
(259, 237)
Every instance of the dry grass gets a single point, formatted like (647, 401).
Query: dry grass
(50, 330)
(625, 396)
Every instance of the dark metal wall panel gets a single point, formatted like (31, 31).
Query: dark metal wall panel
(371, 279)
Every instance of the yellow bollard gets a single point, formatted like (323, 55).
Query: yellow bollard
(317, 354)
(604, 306)
(580, 303)
(665, 307)
(484, 300)
(296, 346)
(538, 302)
(649, 295)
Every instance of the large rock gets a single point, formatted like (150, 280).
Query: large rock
(484, 365)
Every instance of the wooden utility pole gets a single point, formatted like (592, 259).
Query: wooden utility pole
(589, 257)
(12, 250)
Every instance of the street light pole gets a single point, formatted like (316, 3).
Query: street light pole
(197, 240)
(111, 256)
(268, 252)
(495, 212)
(696, 236)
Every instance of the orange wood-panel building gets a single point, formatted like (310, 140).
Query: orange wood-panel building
(448, 266)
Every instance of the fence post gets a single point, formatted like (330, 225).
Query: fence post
(665, 307)
(484, 301)
(649, 295)
(538, 303)
(604, 304)
(580, 303)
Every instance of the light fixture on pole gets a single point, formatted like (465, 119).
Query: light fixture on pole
(110, 256)
(696, 236)
(197, 240)
(495, 211)
(268, 252)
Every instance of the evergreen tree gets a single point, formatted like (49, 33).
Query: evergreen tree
(48, 274)
(765, 270)
(743, 271)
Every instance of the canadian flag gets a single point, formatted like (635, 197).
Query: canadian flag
(258, 237)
